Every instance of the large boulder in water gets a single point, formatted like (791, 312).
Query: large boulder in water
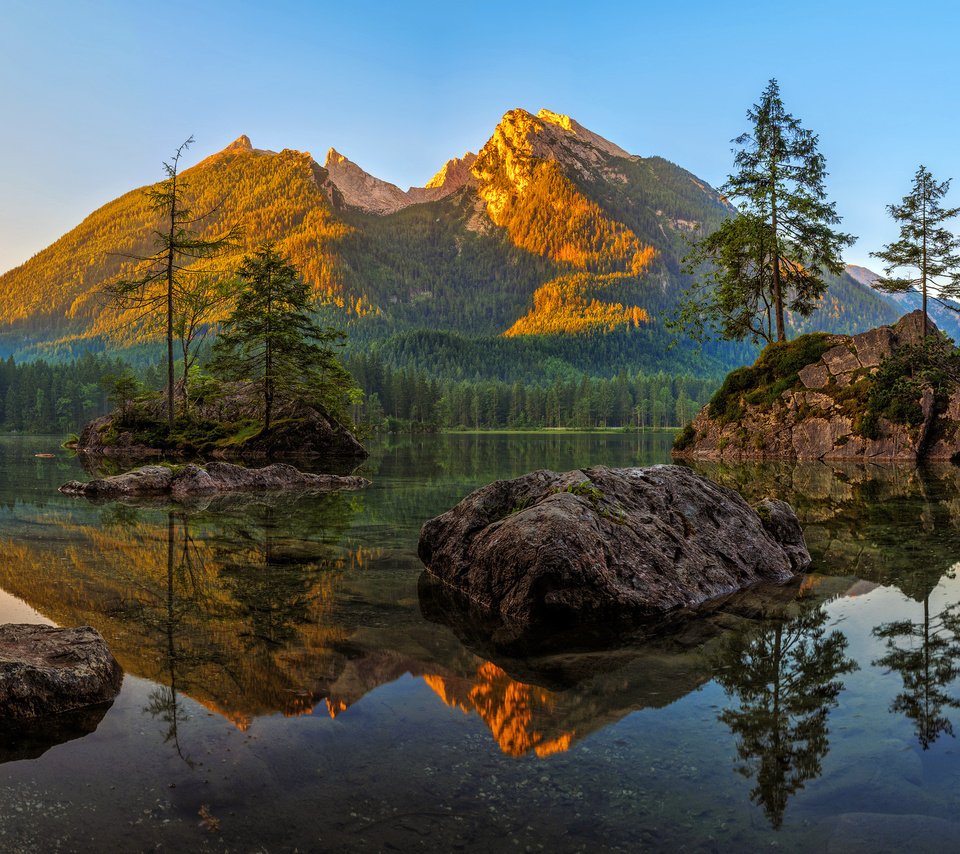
(561, 549)
(46, 671)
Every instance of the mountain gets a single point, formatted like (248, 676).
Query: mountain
(550, 246)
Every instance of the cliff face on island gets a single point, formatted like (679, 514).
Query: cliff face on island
(886, 394)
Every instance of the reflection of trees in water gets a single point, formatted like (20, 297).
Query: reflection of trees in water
(785, 675)
(926, 654)
(184, 569)
(889, 524)
(233, 607)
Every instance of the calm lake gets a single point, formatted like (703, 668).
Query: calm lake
(287, 689)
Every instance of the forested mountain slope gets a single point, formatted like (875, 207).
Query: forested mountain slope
(551, 246)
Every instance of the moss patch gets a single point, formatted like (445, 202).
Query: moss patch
(776, 370)
(685, 438)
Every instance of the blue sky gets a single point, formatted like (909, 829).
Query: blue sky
(95, 95)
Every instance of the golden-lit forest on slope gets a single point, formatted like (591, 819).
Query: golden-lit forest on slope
(278, 196)
(541, 251)
(576, 303)
(549, 216)
(269, 196)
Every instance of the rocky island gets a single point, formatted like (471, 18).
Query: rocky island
(888, 394)
(228, 432)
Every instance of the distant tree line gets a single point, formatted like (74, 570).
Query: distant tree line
(43, 397)
(39, 397)
(405, 398)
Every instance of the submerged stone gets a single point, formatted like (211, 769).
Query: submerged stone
(560, 549)
(190, 480)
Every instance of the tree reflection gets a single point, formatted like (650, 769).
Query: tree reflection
(926, 655)
(785, 675)
(182, 566)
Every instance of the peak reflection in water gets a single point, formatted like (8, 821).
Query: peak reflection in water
(287, 607)
(768, 647)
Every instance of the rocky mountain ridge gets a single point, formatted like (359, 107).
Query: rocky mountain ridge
(348, 184)
(550, 232)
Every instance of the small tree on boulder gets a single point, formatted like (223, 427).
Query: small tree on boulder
(272, 341)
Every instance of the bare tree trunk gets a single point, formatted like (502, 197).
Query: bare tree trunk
(777, 293)
(170, 260)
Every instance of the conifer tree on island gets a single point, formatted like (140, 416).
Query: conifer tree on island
(925, 246)
(163, 279)
(271, 341)
(773, 255)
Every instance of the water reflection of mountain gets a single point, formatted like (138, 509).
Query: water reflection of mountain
(768, 647)
(275, 608)
(232, 609)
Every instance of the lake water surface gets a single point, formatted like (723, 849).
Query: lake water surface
(287, 689)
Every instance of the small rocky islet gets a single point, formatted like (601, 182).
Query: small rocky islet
(184, 481)
(890, 394)
(301, 431)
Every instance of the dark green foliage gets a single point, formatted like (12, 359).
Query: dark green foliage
(685, 438)
(410, 399)
(925, 247)
(774, 372)
(272, 341)
(122, 392)
(38, 397)
(895, 390)
(776, 257)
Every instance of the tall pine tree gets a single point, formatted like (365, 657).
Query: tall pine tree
(271, 340)
(925, 246)
(161, 279)
(776, 257)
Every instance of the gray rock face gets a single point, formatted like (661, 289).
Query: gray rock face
(574, 547)
(215, 478)
(818, 418)
(46, 671)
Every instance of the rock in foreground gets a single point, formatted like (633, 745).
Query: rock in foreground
(574, 547)
(46, 671)
(190, 480)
